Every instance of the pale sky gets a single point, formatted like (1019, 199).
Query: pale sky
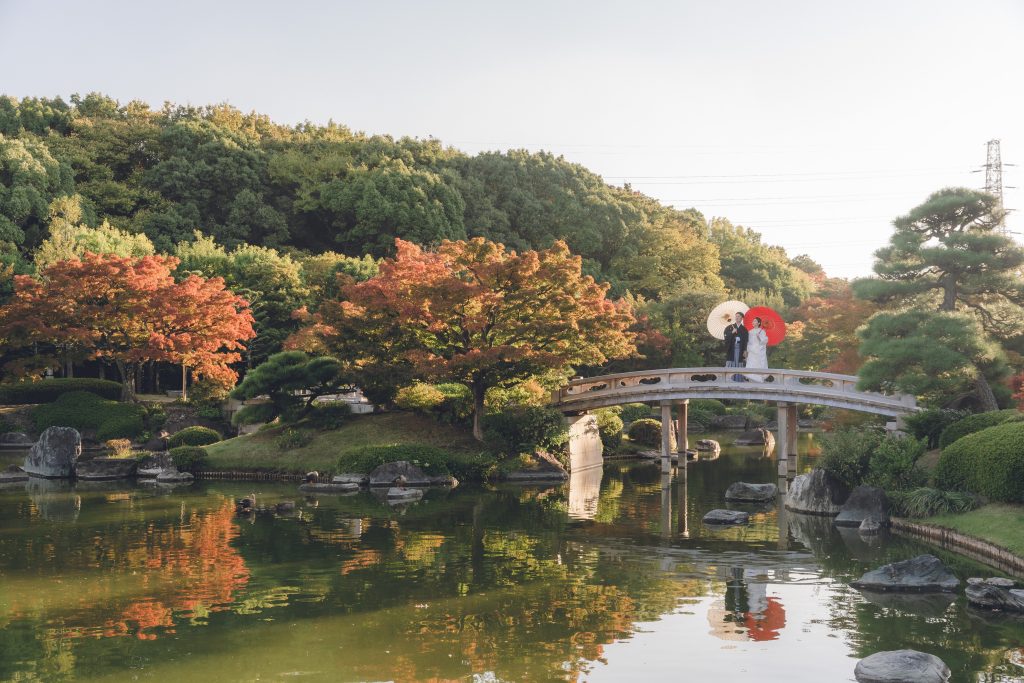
(813, 122)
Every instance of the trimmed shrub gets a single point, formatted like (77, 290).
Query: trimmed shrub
(327, 416)
(419, 396)
(893, 465)
(193, 436)
(631, 412)
(609, 424)
(291, 439)
(698, 417)
(188, 458)
(989, 463)
(646, 432)
(708, 405)
(48, 391)
(525, 429)
(846, 454)
(929, 424)
(119, 448)
(83, 410)
(975, 423)
(926, 502)
(521, 394)
(433, 461)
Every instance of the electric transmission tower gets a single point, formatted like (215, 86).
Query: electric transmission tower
(994, 176)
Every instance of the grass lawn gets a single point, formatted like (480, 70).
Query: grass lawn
(260, 452)
(997, 523)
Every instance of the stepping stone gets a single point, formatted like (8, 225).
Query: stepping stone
(901, 666)
(720, 517)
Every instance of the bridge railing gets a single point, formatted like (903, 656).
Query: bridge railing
(767, 383)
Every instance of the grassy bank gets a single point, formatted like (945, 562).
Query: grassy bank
(262, 452)
(996, 523)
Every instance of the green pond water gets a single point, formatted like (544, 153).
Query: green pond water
(611, 577)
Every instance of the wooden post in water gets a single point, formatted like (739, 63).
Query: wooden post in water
(666, 437)
(782, 442)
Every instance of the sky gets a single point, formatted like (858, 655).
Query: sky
(814, 123)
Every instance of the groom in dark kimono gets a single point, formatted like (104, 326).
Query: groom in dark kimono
(736, 336)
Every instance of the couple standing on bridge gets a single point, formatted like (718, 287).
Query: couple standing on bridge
(746, 348)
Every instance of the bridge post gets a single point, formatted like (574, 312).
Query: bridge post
(682, 435)
(666, 437)
(782, 442)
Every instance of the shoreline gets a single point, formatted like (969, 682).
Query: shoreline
(969, 546)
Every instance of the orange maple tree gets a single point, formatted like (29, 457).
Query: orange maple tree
(129, 311)
(475, 313)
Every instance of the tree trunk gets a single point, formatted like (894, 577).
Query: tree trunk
(103, 370)
(478, 411)
(128, 373)
(184, 382)
(69, 368)
(948, 294)
(984, 393)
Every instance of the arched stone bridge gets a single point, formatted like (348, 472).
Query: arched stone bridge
(674, 387)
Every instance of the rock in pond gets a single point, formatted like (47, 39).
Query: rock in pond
(869, 526)
(152, 465)
(314, 487)
(994, 593)
(865, 502)
(400, 494)
(816, 493)
(285, 506)
(751, 493)
(901, 666)
(390, 472)
(726, 517)
(100, 469)
(13, 474)
(755, 437)
(357, 479)
(15, 440)
(174, 477)
(708, 445)
(54, 455)
(922, 574)
(538, 475)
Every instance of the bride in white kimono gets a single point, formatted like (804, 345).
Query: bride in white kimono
(757, 350)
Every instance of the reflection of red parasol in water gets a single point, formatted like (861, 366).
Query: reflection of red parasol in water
(771, 322)
(766, 626)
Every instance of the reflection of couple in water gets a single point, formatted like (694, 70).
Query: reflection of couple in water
(745, 348)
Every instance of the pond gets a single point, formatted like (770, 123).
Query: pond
(611, 577)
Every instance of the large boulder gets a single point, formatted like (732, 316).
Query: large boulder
(864, 503)
(816, 493)
(922, 574)
(720, 517)
(15, 440)
(173, 476)
(994, 593)
(106, 468)
(901, 666)
(153, 464)
(751, 493)
(728, 422)
(400, 473)
(55, 454)
(708, 445)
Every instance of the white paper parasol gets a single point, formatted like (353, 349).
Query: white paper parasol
(722, 316)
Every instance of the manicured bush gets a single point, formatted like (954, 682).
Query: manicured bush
(631, 412)
(327, 416)
(86, 411)
(846, 454)
(609, 424)
(519, 395)
(989, 463)
(929, 424)
(291, 439)
(433, 461)
(458, 402)
(188, 458)
(927, 502)
(119, 448)
(193, 436)
(698, 417)
(155, 417)
(893, 465)
(646, 432)
(48, 391)
(419, 396)
(708, 405)
(525, 429)
(975, 423)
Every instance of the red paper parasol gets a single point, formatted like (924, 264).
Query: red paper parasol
(771, 322)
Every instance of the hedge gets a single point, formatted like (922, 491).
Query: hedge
(194, 436)
(433, 461)
(631, 412)
(48, 391)
(975, 423)
(989, 462)
(609, 424)
(646, 432)
(188, 458)
(83, 410)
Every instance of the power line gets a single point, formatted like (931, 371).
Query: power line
(800, 174)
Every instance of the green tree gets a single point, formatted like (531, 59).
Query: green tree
(29, 180)
(281, 378)
(947, 256)
(70, 238)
